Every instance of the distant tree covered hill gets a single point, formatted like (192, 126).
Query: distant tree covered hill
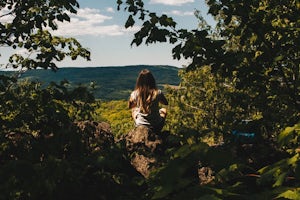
(111, 83)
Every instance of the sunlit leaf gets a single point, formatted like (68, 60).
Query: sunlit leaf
(290, 194)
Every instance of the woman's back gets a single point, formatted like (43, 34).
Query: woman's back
(144, 102)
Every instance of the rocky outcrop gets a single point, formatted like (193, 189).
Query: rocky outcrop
(96, 133)
(144, 147)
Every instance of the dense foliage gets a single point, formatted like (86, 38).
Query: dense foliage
(245, 68)
(44, 154)
(27, 24)
(117, 114)
(252, 44)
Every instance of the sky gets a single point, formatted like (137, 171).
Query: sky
(99, 27)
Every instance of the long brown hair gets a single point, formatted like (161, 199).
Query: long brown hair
(147, 90)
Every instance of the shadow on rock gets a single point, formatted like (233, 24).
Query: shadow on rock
(145, 148)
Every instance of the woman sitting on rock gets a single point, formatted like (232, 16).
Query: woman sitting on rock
(144, 102)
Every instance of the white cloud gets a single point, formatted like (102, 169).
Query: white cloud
(110, 9)
(180, 13)
(171, 2)
(89, 21)
(90, 15)
(4, 16)
(22, 52)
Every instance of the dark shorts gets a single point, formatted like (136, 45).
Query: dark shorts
(158, 127)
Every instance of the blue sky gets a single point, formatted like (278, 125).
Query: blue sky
(100, 28)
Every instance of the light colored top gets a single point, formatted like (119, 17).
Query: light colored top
(152, 119)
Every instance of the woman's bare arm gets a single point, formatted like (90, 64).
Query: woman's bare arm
(131, 103)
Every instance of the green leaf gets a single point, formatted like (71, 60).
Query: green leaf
(66, 17)
(293, 160)
(208, 197)
(290, 194)
(130, 21)
(182, 151)
(60, 18)
(280, 179)
(278, 58)
(288, 134)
